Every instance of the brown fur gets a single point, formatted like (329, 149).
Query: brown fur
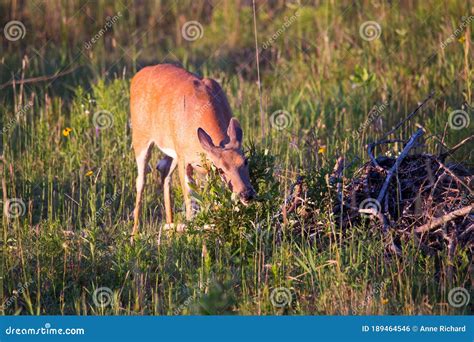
(168, 105)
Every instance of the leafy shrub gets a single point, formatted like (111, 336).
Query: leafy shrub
(222, 212)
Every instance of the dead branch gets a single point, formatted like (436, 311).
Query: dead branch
(451, 173)
(406, 150)
(444, 219)
(455, 148)
(38, 79)
(408, 117)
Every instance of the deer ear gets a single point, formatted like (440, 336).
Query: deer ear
(234, 131)
(205, 140)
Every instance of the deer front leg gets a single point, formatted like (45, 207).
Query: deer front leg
(186, 177)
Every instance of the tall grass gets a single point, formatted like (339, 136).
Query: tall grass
(78, 185)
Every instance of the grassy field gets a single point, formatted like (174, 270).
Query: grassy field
(68, 171)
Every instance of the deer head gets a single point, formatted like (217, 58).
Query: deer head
(230, 161)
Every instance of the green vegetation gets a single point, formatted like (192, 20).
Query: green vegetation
(77, 182)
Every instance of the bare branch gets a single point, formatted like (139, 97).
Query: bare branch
(391, 172)
(444, 219)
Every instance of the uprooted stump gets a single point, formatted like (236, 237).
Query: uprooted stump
(427, 200)
(412, 197)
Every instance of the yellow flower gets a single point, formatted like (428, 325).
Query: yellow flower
(66, 131)
(462, 39)
(322, 150)
(384, 301)
(89, 173)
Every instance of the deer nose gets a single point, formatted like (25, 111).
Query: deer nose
(248, 194)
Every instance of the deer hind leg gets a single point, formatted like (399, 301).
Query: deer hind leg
(142, 157)
(166, 167)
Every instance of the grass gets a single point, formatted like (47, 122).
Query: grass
(77, 186)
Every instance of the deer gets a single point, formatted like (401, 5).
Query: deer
(187, 117)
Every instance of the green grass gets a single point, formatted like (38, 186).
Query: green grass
(78, 190)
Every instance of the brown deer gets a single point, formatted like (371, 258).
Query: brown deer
(185, 116)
